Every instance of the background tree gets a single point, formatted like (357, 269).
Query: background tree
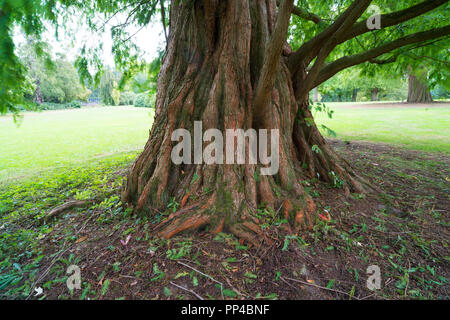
(109, 90)
(53, 80)
(418, 90)
(228, 64)
(355, 84)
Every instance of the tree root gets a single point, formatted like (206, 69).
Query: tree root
(55, 212)
(184, 223)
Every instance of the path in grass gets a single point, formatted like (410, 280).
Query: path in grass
(418, 127)
(61, 138)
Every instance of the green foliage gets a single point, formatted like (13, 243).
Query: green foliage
(56, 80)
(24, 203)
(29, 16)
(389, 78)
(59, 106)
(352, 81)
(183, 250)
(33, 16)
(108, 88)
(144, 100)
(127, 98)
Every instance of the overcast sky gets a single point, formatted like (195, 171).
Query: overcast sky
(149, 40)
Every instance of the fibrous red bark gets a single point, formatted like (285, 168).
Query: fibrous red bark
(210, 73)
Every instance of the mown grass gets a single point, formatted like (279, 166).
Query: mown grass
(59, 138)
(418, 128)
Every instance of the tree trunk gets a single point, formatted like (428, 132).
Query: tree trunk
(418, 91)
(37, 97)
(375, 94)
(354, 95)
(209, 74)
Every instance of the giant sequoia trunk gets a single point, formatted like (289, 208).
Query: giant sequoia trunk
(209, 73)
(418, 91)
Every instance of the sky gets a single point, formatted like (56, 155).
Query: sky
(149, 39)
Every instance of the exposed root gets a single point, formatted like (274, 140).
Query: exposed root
(207, 76)
(251, 233)
(183, 223)
(55, 212)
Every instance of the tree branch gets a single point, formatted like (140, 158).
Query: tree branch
(307, 52)
(271, 60)
(302, 13)
(163, 18)
(392, 19)
(343, 63)
(348, 19)
(311, 48)
(386, 61)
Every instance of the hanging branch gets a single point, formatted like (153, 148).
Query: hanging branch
(271, 60)
(163, 18)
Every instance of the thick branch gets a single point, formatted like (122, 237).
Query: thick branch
(271, 59)
(331, 69)
(302, 13)
(392, 19)
(306, 15)
(385, 61)
(354, 12)
(312, 47)
(309, 50)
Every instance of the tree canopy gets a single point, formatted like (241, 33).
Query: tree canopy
(412, 33)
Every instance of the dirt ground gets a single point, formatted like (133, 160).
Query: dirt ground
(404, 230)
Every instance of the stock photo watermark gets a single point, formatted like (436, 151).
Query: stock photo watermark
(74, 281)
(374, 279)
(374, 21)
(235, 147)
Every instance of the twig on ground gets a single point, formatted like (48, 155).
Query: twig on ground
(320, 287)
(205, 275)
(186, 289)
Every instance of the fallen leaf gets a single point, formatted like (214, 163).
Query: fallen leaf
(81, 239)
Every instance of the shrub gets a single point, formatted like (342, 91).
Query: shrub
(115, 95)
(127, 98)
(59, 106)
(74, 104)
(144, 100)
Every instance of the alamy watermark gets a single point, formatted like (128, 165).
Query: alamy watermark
(74, 281)
(374, 279)
(235, 147)
(374, 21)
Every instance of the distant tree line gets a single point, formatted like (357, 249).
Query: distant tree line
(54, 83)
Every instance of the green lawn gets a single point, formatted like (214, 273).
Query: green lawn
(424, 128)
(66, 137)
